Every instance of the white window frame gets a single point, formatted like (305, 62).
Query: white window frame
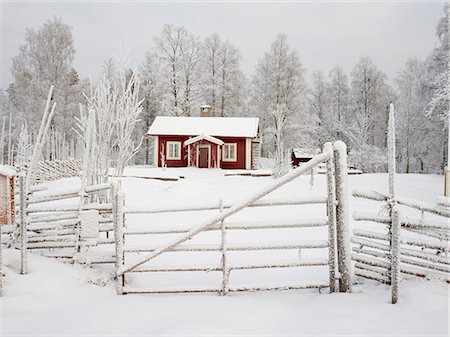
(224, 152)
(168, 146)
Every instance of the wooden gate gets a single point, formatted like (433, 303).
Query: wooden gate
(335, 202)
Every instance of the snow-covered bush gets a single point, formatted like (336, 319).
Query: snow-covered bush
(368, 158)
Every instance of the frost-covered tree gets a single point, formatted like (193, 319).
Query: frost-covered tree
(367, 117)
(10, 122)
(107, 124)
(109, 71)
(169, 50)
(279, 81)
(126, 118)
(438, 84)
(95, 126)
(416, 133)
(319, 105)
(190, 57)
(329, 101)
(232, 82)
(46, 59)
(150, 79)
(221, 77)
(282, 161)
(439, 69)
(210, 63)
(24, 147)
(370, 97)
(178, 51)
(339, 92)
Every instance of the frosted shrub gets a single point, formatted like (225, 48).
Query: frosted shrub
(369, 159)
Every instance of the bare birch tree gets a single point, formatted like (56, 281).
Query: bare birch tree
(339, 102)
(190, 57)
(46, 59)
(370, 96)
(169, 49)
(150, 78)
(279, 81)
(281, 155)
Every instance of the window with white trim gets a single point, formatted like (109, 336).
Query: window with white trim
(229, 152)
(173, 151)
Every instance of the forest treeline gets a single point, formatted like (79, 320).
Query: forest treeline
(181, 71)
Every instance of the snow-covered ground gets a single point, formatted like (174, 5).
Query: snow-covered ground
(60, 299)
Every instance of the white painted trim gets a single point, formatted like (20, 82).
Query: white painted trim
(189, 155)
(210, 139)
(248, 153)
(204, 146)
(235, 153)
(167, 150)
(217, 163)
(156, 152)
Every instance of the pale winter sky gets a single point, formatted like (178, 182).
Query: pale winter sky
(324, 33)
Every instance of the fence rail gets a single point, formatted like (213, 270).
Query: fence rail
(215, 206)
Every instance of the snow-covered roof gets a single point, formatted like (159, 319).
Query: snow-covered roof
(6, 170)
(305, 153)
(214, 126)
(211, 139)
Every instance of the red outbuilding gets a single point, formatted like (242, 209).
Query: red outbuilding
(206, 142)
(7, 208)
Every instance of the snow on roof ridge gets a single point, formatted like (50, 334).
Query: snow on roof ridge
(209, 138)
(7, 170)
(213, 126)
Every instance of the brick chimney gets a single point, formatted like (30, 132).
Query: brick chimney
(206, 111)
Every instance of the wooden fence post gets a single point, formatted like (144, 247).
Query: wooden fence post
(23, 224)
(342, 235)
(117, 203)
(391, 150)
(395, 253)
(447, 182)
(225, 270)
(331, 213)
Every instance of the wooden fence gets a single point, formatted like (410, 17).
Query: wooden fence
(66, 230)
(407, 247)
(49, 170)
(337, 240)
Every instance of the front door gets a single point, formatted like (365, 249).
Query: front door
(203, 157)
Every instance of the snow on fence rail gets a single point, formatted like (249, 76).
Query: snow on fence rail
(336, 221)
(389, 256)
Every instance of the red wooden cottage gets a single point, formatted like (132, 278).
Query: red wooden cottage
(206, 142)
